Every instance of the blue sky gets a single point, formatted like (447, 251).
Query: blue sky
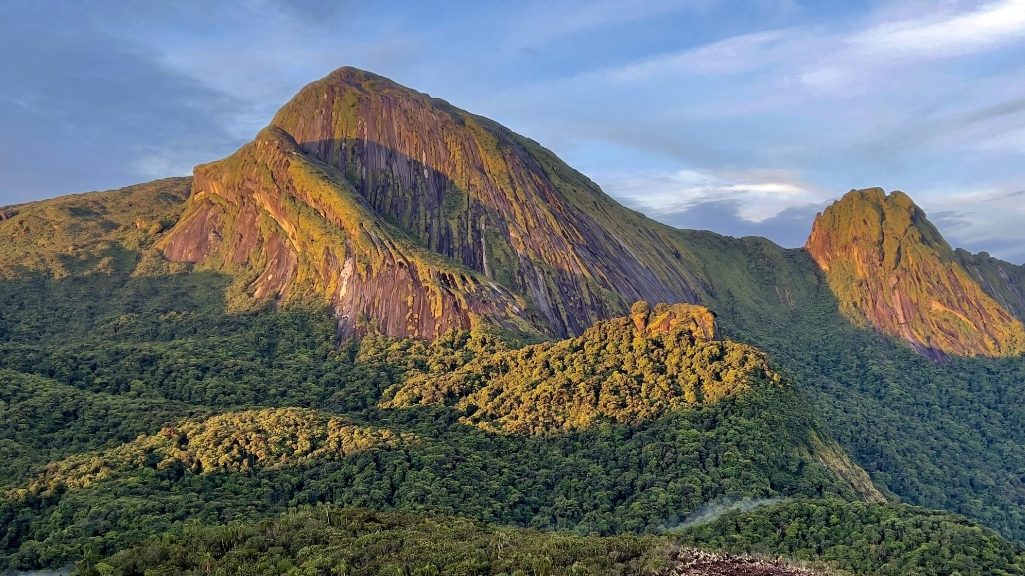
(739, 117)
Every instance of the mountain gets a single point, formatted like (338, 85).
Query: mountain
(890, 266)
(412, 217)
(405, 210)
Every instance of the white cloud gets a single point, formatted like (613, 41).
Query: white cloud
(858, 59)
(838, 62)
(947, 34)
(759, 194)
(732, 55)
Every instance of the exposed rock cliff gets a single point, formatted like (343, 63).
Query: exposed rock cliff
(887, 263)
(298, 230)
(696, 321)
(357, 175)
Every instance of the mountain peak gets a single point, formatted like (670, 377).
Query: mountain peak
(888, 265)
(358, 176)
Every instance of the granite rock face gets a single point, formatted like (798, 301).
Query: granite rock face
(296, 230)
(413, 217)
(888, 264)
(405, 210)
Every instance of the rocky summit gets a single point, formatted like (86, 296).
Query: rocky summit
(889, 265)
(401, 208)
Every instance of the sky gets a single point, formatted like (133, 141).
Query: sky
(742, 117)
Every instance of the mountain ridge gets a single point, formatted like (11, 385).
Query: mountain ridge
(410, 216)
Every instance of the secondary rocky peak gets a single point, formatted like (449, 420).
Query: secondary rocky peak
(889, 265)
(873, 214)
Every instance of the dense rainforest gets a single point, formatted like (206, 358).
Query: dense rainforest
(213, 417)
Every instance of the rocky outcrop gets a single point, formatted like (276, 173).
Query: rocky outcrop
(696, 321)
(693, 562)
(517, 232)
(888, 264)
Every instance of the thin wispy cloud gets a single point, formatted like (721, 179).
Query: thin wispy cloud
(948, 34)
(760, 194)
(539, 23)
(730, 56)
(887, 50)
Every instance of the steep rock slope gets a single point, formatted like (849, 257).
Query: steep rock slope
(357, 174)
(293, 228)
(1003, 281)
(887, 263)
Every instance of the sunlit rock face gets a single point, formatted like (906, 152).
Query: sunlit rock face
(889, 266)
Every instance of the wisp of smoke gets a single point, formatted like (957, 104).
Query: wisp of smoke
(713, 510)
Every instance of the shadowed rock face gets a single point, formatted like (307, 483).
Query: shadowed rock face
(523, 235)
(888, 264)
(1004, 281)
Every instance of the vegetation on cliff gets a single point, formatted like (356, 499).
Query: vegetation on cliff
(625, 371)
